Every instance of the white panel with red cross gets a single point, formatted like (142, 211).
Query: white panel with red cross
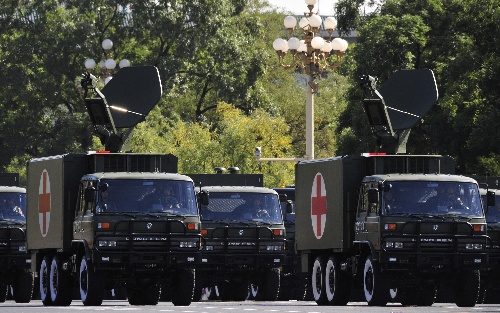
(318, 206)
(44, 203)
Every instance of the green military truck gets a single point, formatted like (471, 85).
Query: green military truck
(15, 263)
(98, 222)
(244, 237)
(380, 221)
(102, 221)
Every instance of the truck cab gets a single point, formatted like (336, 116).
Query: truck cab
(421, 231)
(244, 241)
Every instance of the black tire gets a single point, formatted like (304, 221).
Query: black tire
(4, 290)
(198, 287)
(151, 294)
(166, 293)
(374, 284)
(225, 291)
(337, 283)
(44, 284)
(240, 291)
(61, 291)
(269, 287)
(91, 284)
(318, 281)
(23, 287)
(134, 296)
(427, 296)
(417, 296)
(466, 289)
(184, 281)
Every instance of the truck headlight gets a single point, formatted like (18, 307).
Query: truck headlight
(22, 248)
(107, 243)
(209, 248)
(188, 244)
(473, 246)
(395, 245)
(274, 248)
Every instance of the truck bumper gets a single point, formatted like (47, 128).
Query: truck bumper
(406, 261)
(259, 260)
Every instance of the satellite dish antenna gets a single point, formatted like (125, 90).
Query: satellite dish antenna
(399, 104)
(123, 103)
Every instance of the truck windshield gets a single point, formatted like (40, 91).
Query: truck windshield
(147, 196)
(243, 207)
(13, 206)
(437, 198)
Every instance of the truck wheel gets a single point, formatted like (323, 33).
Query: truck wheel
(151, 294)
(23, 287)
(184, 291)
(240, 291)
(91, 284)
(270, 285)
(45, 281)
(317, 281)
(466, 289)
(337, 284)
(60, 284)
(225, 291)
(375, 287)
(134, 296)
(4, 290)
(427, 296)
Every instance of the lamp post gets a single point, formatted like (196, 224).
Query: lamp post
(107, 65)
(313, 55)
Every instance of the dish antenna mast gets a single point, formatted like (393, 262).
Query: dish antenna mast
(399, 104)
(124, 102)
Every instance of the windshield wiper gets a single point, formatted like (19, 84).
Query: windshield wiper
(468, 217)
(416, 215)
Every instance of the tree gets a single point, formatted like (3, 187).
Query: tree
(201, 147)
(463, 53)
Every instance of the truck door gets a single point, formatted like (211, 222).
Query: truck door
(367, 218)
(84, 214)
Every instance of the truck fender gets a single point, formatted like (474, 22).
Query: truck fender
(82, 245)
(364, 248)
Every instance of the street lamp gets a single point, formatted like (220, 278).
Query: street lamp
(313, 55)
(107, 65)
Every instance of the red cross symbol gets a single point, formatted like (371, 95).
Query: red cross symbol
(44, 203)
(318, 205)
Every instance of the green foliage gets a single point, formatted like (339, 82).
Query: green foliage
(231, 142)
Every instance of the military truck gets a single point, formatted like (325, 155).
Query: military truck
(350, 231)
(244, 237)
(99, 221)
(15, 263)
(293, 283)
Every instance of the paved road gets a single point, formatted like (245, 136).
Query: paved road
(242, 307)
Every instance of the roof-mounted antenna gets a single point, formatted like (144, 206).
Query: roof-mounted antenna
(399, 104)
(124, 102)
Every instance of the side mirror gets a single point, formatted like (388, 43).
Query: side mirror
(289, 207)
(490, 198)
(283, 197)
(373, 195)
(203, 198)
(90, 194)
